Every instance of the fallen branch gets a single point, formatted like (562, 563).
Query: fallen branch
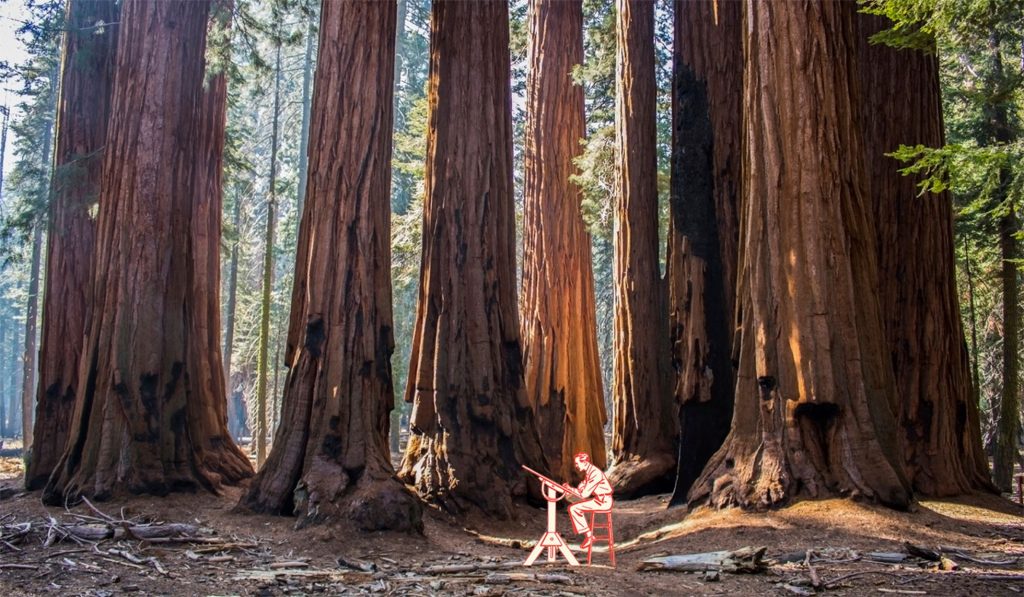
(496, 578)
(19, 566)
(99, 512)
(463, 568)
(815, 581)
(317, 574)
(745, 559)
(293, 564)
(835, 581)
(886, 557)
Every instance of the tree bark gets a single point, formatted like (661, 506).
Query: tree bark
(84, 109)
(330, 455)
(263, 362)
(940, 432)
(150, 414)
(703, 228)
(3, 377)
(398, 125)
(235, 419)
(561, 367)
(471, 422)
(14, 395)
(997, 123)
(815, 399)
(644, 429)
(307, 90)
(28, 378)
(28, 359)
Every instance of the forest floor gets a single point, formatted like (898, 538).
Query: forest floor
(241, 554)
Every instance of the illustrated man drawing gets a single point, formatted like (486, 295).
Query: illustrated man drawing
(596, 492)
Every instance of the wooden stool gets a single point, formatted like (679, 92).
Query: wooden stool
(608, 537)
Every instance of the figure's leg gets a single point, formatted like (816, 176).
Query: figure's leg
(577, 513)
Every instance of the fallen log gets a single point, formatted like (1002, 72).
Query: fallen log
(886, 557)
(312, 574)
(922, 552)
(745, 559)
(497, 578)
(463, 568)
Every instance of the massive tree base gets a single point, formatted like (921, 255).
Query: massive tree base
(327, 495)
(459, 489)
(118, 476)
(797, 450)
(636, 477)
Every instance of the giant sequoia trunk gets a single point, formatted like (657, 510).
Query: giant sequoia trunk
(330, 454)
(83, 112)
(706, 136)
(814, 410)
(644, 426)
(150, 412)
(472, 424)
(561, 366)
(939, 430)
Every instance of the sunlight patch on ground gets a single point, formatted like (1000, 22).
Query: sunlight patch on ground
(972, 512)
(10, 468)
(701, 520)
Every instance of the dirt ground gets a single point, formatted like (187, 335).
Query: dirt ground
(261, 555)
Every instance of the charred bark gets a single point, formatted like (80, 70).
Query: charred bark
(471, 421)
(330, 456)
(938, 417)
(644, 426)
(559, 325)
(815, 399)
(706, 137)
(150, 410)
(83, 112)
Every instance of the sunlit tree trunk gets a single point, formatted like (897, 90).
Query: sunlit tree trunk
(815, 399)
(561, 367)
(83, 112)
(644, 426)
(150, 411)
(703, 228)
(471, 422)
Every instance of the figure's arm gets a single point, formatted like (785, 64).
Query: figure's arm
(589, 484)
